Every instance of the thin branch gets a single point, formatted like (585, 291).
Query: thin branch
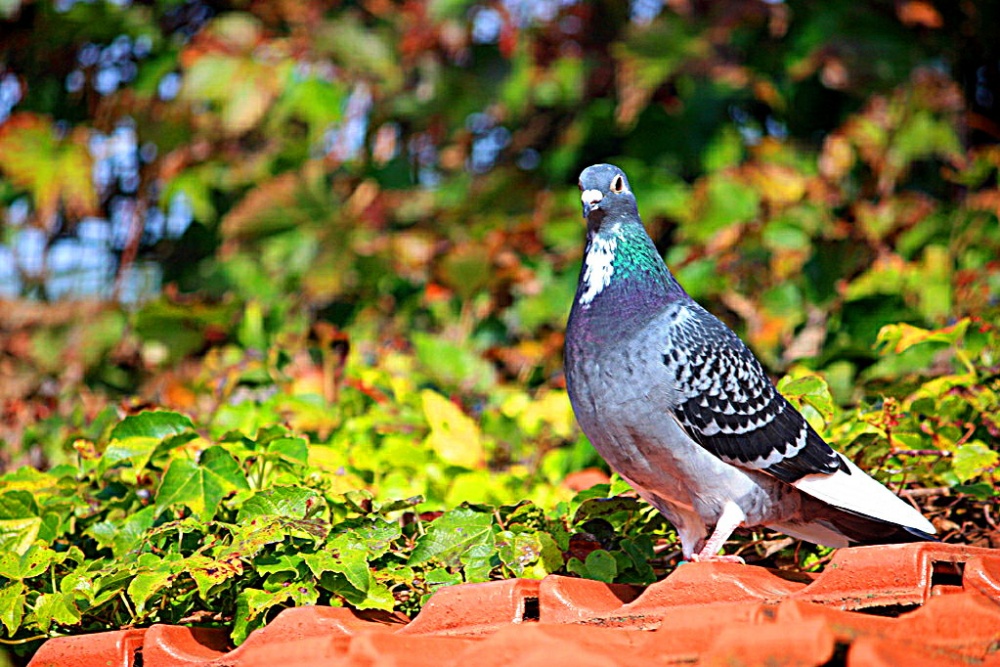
(923, 493)
(131, 249)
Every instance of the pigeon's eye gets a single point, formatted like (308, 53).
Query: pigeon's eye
(618, 184)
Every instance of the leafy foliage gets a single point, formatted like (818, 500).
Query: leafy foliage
(348, 389)
(158, 524)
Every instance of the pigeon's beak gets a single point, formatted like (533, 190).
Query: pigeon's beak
(590, 199)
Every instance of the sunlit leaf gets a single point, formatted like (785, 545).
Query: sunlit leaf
(55, 608)
(208, 572)
(454, 436)
(972, 459)
(148, 582)
(284, 501)
(809, 390)
(137, 437)
(55, 170)
(201, 486)
(900, 337)
(250, 608)
(451, 535)
(33, 562)
(20, 521)
(12, 606)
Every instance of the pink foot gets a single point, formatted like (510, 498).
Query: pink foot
(715, 558)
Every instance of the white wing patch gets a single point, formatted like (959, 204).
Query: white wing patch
(600, 265)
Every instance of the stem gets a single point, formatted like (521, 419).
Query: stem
(128, 607)
(14, 642)
(964, 358)
(970, 429)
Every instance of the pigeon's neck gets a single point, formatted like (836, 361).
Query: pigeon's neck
(623, 277)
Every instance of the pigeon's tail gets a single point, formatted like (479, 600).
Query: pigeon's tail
(863, 530)
(851, 491)
(830, 526)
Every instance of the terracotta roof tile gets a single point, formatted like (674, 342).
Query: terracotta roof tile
(925, 604)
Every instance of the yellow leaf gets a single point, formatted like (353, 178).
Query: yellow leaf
(900, 337)
(779, 184)
(454, 436)
(552, 409)
(19, 534)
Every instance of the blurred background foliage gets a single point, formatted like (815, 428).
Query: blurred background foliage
(360, 219)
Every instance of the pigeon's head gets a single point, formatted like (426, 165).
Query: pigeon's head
(606, 195)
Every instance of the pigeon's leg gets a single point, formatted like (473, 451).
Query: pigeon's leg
(732, 516)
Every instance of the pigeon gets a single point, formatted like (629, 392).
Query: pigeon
(679, 406)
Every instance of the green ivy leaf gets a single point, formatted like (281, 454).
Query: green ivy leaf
(20, 523)
(293, 451)
(17, 535)
(477, 562)
(285, 563)
(152, 424)
(254, 535)
(451, 535)
(377, 534)
(12, 606)
(378, 597)
(210, 572)
(973, 459)
(619, 506)
(147, 583)
(437, 578)
(284, 501)
(600, 566)
(109, 583)
(122, 537)
(201, 486)
(79, 583)
(55, 608)
(811, 390)
(33, 562)
(640, 551)
(346, 555)
(518, 550)
(138, 437)
(619, 486)
(981, 490)
(251, 605)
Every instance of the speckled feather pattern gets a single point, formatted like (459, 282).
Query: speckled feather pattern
(729, 405)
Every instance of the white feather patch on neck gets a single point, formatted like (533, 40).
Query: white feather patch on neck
(600, 265)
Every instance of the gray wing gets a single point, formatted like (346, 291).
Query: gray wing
(729, 406)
